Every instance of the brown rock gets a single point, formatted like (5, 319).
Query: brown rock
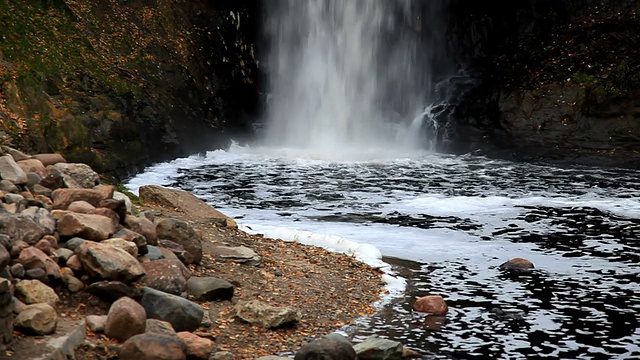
(150, 346)
(39, 319)
(108, 213)
(160, 327)
(33, 165)
(106, 190)
(108, 262)
(53, 182)
(49, 159)
(81, 206)
(44, 199)
(34, 292)
(142, 226)
(62, 198)
(433, 304)
(125, 319)
(197, 347)
(87, 226)
(183, 234)
(118, 206)
(33, 258)
(123, 244)
(44, 245)
(185, 202)
(169, 276)
(74, 263)
(517, 265)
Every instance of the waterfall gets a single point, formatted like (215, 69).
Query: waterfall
(346, 74)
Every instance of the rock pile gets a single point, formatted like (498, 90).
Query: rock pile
(61, 230)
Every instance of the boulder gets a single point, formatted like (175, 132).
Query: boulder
(136, 238)
(186, 202)
(517, 265)
(328, 348)
(169, 276)
(181, 313)
(108, 262)
(75, 175)
(86, 226)
(38, 319)
(5, 257)
(117, 206)
(34, 292)
(7, 186)
(151, 346)
(41, 217)
(81, 206)
(433, 304)
(21, 228)
(375, 348)
(111, 291)
(105, 190)
(33, 166)
(49, 159)
(238, 254)
(260, 313)
(39, 190)
(16, 154)
(123, 244)
(154, 253)
(33, 258)
(125, 319)
(53, 182)
(96, 323)
(142, 226)
(176, 250)
(109, 214)
(10, 171)
(63, 255)
(62, 198)
(182, 234)
(117, 195)
(160, 327)
(209, 289)
(198, 348)
(45, 246)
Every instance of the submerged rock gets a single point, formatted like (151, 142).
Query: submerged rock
(433, 304)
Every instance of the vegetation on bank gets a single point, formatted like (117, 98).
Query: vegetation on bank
(597, 50)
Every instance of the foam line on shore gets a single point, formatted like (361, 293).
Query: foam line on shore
(363, 252)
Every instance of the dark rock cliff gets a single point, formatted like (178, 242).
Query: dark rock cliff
(547, 80)
(119, 84)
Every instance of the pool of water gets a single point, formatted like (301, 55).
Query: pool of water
(445, 224)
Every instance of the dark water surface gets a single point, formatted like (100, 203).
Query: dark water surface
(445, 224)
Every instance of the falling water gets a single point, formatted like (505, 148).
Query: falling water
(347, 74)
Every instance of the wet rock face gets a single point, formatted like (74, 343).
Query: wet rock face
(536, 93)
(190, 73)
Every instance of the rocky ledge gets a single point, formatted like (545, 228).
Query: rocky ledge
(170, 278)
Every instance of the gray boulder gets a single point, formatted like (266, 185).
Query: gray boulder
(75, 175)
(376, 348)
(39, 319)
(181, 313)
(9, 170)
(260, 313)
(327, 348)
(108, 262)
(209, 289)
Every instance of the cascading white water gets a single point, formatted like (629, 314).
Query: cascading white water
(344, 74)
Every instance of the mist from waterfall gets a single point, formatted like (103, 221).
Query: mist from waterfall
(348, 74)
